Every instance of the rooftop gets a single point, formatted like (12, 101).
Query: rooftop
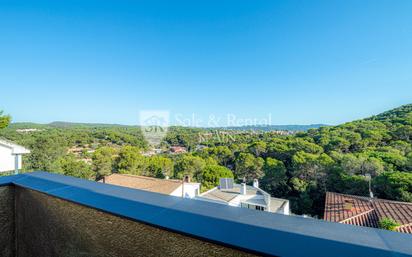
(366, 211)
(156, 185)
(254, 196)
(227, 195)
(17, 149)
(44, 214)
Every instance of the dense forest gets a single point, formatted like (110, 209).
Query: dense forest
(299, 166)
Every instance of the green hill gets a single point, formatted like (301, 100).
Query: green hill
(400, 115)
(300, 167)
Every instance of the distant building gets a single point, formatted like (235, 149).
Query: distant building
(77, 150)
(181, 188)
(28, 130)
(244, 196)
(366, 211)
(200, 147)
(178, 149)
(11, 156)
(152, 152)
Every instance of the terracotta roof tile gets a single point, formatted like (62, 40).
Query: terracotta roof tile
(365, 211)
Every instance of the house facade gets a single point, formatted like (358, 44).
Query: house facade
(178, 149)
(245, 196)
(180, 188)
(11, 156)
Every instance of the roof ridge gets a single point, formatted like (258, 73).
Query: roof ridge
(359, 197)
(358, 215)
(366, 198)
(7, 141)
(148, 178)
(390, 201)
(404, 225)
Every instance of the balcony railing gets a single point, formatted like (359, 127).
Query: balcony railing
(44, 214)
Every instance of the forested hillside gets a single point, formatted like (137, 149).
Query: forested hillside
(300, 167)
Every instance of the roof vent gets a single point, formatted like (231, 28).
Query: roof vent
(256, 183)
(243, 189)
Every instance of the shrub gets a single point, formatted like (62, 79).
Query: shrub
(388, 224)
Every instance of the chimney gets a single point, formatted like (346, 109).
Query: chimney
(256, 183)
(186, 179)
(243, 189)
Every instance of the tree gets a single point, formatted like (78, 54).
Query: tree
(394, 186)
(303, 145)
(359, 164)
(299, 185)
(409, 162)
(160, 167)
(131, 161)
(275, 179)
(309, 166)
(249, 167)
(257, 148)
(403, 133)
(45, 150)
(402, 146)
(70, 166)
(388, 224)
(339, 181)
(103, 160)
(279, 149)
(211, 175)
(392, 158)
(222, 154)
(4, 120)
(189, 165)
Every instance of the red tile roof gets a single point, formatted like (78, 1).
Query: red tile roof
(365, 211)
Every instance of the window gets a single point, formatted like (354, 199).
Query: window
(252, 206)
(260, 208)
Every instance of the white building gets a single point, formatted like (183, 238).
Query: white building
(11, 156)
(244, 196)
(180, 188)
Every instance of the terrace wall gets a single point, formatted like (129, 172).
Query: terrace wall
(7, 225)
(50, 227)
(49, 215)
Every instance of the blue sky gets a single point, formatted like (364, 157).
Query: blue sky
(300, 61)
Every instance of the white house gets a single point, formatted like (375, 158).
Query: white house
(11, 156)
(244, 196)
(180, 188)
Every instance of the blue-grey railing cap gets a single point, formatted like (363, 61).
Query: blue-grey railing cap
(255, 231)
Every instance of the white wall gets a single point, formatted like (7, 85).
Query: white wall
(189, 190)
(286, 209)
(7, 160)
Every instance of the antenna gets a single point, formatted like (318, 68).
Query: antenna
(369, 179)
